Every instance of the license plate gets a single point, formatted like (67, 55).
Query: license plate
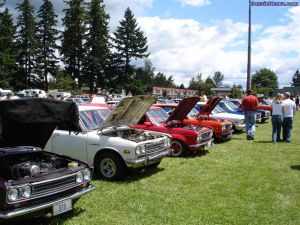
(62, 207)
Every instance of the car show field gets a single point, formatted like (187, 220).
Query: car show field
(236, 182)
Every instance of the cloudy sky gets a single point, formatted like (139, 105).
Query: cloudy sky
(188, 37)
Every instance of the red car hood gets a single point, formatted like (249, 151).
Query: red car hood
(183, 109)
(209, 106)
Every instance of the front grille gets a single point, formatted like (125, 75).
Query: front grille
(152, 148)
(54, 186)
(205, 135)
(228, 126)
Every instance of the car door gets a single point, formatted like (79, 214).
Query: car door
(70, 143)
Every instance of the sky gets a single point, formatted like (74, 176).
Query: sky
(188, 37)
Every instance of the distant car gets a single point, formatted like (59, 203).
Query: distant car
(218, 113)
(265, 114)
(185, 138)
(78, 101)
(32, 181)
(222, 128)
(107, 142)
(165, 101)
(229, 107)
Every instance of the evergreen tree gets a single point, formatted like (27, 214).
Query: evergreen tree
(7, 58)
(296, 79)
(129, 42)
(97, 45)
(208, 85)
(46, 39)
(72, 48)
(26, 45)
(218, 78)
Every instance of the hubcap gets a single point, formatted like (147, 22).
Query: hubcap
(108, 167)
(176, 148)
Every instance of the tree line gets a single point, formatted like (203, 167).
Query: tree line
(35, 54)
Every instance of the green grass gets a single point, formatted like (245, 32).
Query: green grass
(236, 182)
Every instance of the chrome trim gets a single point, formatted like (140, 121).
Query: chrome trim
(9, 214)
(201, 144)
(147, 160)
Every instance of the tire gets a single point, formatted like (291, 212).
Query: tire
(110, 166)
(154, 165)
(178, 148)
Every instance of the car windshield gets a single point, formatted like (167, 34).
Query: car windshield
(218, 109)
(93, 119)
(236, 102)
(158, 116)
(228, 106)
(194, 112)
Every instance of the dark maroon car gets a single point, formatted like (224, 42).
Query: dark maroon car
(32, 181)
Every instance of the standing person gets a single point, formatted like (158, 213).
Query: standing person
(289, 108)
(203, 97)
(297, 101)
(250, 105)
(277, 117)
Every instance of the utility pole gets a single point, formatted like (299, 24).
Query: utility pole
(249, 51)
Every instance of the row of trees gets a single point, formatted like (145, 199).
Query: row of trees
(30, 54)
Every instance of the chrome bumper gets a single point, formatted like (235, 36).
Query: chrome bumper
(240, 127)
(207, 143)
(10, 214)
(147, 160)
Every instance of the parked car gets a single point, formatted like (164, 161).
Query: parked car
(185, 138)
(229, 107)
(107, 142)
(165, 101)
(222, 129)
(265, 114)
(218, 113)
(32, 181)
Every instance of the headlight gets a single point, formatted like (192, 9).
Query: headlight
(199, 138)
(223, 127)
(12, 194)
(87, 175)
(79, 177)
(167, 143)
(143, 149)
(138, 150)
(26, 191)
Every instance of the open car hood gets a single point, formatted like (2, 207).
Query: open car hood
(31, 121)
(183, 109)
(209, 106)
(129, 111)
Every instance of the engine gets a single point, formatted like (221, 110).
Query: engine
(30, 169)
(136, 136)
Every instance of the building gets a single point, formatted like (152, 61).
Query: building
(173, 92)
(222, 91)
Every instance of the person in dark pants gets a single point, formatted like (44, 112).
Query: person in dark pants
(250, 105)
(289, 108)
(277, 117)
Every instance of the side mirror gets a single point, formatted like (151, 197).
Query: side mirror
(148, 123)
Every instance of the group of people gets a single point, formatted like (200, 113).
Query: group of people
(283, 111)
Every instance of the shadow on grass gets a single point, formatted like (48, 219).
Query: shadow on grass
(295, 167)
(49, 220)
(146, 172)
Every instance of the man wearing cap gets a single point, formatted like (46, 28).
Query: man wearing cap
(250, 105)
(289, 108)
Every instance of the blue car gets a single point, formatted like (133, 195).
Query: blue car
(229, 107)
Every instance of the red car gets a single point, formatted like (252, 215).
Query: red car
(222, 128)
(185, 138)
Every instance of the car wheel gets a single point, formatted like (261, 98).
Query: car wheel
(178, 148)
(110, 166)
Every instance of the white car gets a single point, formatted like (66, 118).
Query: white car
(108, 143)
(218, 113)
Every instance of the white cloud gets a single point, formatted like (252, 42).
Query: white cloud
(185, 47)
(195, 2)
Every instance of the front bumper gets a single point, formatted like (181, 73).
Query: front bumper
(147, 160)
(240, 126)
(226, 136)
(11, 214)
(208, 143)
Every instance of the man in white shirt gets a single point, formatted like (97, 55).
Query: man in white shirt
(289, 108)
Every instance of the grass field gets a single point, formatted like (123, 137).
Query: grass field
(236, 182)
